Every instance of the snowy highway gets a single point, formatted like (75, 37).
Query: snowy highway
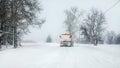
(50, 55)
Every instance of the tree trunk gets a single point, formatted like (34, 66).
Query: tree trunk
(4, 37)
(0, 43)
(15, 37)
(1, 37)
(96, 42)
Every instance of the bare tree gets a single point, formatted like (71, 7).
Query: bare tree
(117, 39)
(92, 27)
(111, 36)
(71, 21)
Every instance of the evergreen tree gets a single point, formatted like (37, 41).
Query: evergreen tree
(16, 16)
(49, 39)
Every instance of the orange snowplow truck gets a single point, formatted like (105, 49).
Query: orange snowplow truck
(66, 40)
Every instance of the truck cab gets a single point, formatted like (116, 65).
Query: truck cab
(66, 40)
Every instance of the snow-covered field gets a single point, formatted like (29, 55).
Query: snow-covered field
(50, 55)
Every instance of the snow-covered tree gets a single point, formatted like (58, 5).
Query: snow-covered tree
(72, 20)
(49, 39)
(111, 37)
(16, 16)
(117, 40)
(92, 27)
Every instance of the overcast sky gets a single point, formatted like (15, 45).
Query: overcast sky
(53, 11)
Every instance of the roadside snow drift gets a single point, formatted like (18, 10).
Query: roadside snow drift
(50, 55)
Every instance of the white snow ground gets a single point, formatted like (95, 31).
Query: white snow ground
(50, 55)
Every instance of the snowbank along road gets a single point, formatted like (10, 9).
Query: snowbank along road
(50, 55)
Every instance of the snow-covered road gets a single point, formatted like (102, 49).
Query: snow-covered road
(52, 56)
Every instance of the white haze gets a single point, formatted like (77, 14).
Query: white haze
(54, 14)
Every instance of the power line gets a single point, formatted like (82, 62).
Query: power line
(112, 6)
